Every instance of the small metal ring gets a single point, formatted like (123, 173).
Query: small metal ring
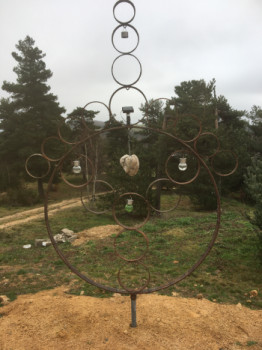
(161, 211)
(153, 289)
(112, 70)
(160, 98)
(151, 103)
(135, 259)
(82, 185)
(121, 88)
(30, 174)
(93, 211)
(112, 39)
(62, 138)
(204, 134)
(102, 103)
(138, 225)
(186, 182)
(128, 2)
(198, 121)
(231, 172)
(43, 148)
(130, 290)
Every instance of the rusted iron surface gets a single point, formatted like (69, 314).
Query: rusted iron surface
(35, 176)
(144, 289)
(164, 210)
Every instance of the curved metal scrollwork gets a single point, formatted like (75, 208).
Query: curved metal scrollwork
(189, 147)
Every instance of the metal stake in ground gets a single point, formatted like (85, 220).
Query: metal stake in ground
(133, 310)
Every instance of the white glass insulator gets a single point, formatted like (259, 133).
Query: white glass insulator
(182, 166)
(76, 168)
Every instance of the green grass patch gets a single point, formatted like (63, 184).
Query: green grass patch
(175, 241)
(251, 343)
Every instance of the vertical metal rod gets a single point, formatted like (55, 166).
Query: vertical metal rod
(129, 146)
(133, 310)
(128, 121)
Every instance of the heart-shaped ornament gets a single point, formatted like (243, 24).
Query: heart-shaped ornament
(130, 164)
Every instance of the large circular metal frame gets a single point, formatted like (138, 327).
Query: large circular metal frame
(207, 134)
(157, 210)
(137, 225)
(134, 259)
(118, 3)
(91, 210)
(231, 172)
(29, 173)
(148, 290)
(112, 69)
(113, 43)
(185, 182)
(143, 289)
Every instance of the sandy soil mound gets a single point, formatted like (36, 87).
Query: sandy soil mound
(97, 232)
(55, 320)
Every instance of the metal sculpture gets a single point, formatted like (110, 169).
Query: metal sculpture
(188, 147)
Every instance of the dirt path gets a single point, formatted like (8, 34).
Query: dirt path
(37, 213)
(54, 320)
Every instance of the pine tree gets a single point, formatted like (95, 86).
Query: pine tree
(198, 98)
(253, 182)
(255, 126)
(29, 115)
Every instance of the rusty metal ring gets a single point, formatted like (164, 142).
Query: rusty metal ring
(161, 98)
(113, 43)
(30, 174)
(62, 138)
(91, 210)
(151, 103)
(119, 222)
(89, 103)
(112, 70)
(43, 148)
(231, 172)
(82, 185)
(130, 290)
(157, 210)
(186, 182)
(121, 88)
(197, 120)
(135, 259)
(128, 2)
(204, 134)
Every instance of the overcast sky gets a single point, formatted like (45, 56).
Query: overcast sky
(180, 40)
